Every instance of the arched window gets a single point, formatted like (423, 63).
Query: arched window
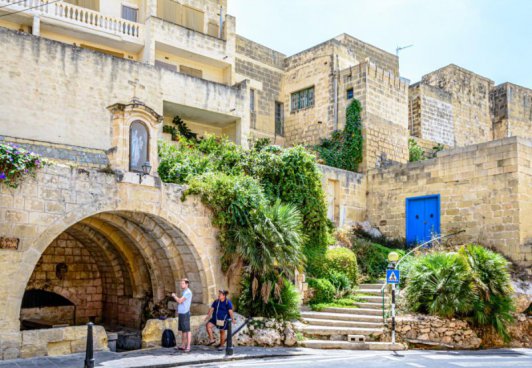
(138, 146)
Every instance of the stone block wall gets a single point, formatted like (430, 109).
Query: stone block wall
(81, 284)
(346, 195)
(384, 99)
(264, 68)
(511, 111)
(470, 102)
(431, 114)
(485, 190)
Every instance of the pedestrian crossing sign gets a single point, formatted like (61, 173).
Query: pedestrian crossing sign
(392, 276)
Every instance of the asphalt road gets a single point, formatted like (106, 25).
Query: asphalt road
(500, 358)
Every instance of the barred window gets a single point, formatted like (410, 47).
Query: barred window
(252, 100)
(279, 118)
(129, 13)
(302, 99)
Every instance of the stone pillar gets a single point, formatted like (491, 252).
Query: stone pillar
(36, 28)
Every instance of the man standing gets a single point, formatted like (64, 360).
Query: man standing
(183, 314)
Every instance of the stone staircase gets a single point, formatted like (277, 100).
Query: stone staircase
(348, 328)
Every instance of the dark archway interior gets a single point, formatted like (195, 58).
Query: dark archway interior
(116, 269)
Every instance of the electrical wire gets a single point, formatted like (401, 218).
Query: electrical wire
(33, 7)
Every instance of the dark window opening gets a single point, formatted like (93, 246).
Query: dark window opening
(302, 99)
(279, 118)
(350, 94)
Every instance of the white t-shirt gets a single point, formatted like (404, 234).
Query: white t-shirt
(185, 306)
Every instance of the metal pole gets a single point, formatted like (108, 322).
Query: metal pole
(229, 347)
(393, 313)
(89, 351)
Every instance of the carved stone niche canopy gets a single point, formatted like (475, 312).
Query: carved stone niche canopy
(135, 131)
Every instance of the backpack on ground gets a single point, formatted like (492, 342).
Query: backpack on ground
(168, 340)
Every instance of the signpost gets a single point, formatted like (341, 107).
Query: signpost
(393, 277)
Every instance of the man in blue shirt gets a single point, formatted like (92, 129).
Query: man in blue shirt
(220, 310)
(183, 314)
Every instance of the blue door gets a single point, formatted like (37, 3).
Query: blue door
(422, 218)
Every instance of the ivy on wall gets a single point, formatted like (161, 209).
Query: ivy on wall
(344, 149)
(15, 163)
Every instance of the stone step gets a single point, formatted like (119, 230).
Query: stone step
(370, 286)
(358, 311)
(343, 316)
(369, 305)
(340, 323)
(346, 345)
(372, 298)
(331, 330)
(373, 292)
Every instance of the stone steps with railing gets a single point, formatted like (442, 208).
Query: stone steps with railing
(333, 327)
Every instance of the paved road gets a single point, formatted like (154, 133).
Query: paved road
(501, 358)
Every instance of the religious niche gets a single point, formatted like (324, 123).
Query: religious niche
(138, 146)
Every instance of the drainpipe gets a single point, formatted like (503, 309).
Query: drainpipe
(335, 71)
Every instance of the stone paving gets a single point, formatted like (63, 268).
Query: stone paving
(153, 358)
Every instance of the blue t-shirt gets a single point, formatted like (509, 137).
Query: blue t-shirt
(223, 309)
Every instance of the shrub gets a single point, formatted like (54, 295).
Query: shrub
(415, 152)
(323, 290)
(440, 284)
(16, 162)
(339, 280)
(283, 306)
(372, 258)
(493, 302)
(341, 260)
(344, 149)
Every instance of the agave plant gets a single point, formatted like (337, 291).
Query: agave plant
(440, 284)
(493, 302)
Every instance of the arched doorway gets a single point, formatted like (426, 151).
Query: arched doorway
(116, 268)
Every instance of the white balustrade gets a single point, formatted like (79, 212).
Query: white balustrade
(77, 15)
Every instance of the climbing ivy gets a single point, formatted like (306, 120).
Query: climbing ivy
(344, 149)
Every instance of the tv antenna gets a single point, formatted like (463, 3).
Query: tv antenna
(399, 48)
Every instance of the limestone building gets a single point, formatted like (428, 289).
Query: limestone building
(90, 84)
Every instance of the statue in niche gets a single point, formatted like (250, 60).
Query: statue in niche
(138, 146)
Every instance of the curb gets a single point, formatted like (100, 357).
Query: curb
(219, 360)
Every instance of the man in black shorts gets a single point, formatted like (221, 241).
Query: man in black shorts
(183, 314)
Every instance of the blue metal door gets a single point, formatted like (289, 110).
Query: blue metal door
(422, 218)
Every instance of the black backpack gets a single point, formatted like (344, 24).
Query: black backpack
(168, 340)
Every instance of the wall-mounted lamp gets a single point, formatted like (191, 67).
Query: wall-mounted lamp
(146, 168)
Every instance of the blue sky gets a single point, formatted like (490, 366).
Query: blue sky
(490, 37)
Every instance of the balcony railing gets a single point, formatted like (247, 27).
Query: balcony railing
(76, 15)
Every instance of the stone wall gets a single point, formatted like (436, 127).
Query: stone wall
(485, 190)
(345, 193)
(384, 99)
(511, 111)
(431, 114)
(264, 68)
(74, 111)
(470, 102)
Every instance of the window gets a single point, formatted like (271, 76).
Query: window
(192, 18)
(169, 10)
(138, 146)
(279, 118)
(350, 94)
(129, 13)
(303, 99)
(213, 29)
(89, 4)
(191, 71)
(252, 100)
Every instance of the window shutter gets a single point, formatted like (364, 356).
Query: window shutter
(193, 18)
(213, 30)
(169, 10)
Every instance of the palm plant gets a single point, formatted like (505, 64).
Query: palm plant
(440, 284)
(270, 245)
(493, 302)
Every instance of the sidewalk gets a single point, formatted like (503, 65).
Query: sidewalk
(153, 358)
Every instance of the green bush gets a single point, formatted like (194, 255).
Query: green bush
(341, 260)
(344, 149)
(324, 291)
(415, 152)
(440, 284)
(283, 306)
(493, 303)
(339, 280)
(372, 258)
